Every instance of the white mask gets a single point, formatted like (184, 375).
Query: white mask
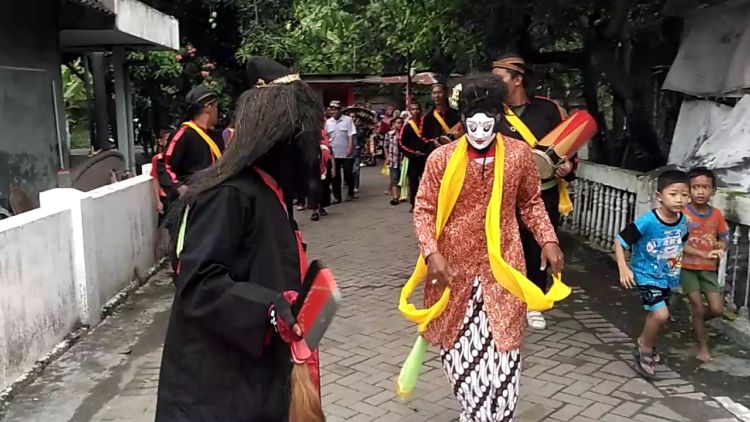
(480, 130)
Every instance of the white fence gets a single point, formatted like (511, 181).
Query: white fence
(607, 198)
(60, 264)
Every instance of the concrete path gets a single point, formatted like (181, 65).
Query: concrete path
(576, 370)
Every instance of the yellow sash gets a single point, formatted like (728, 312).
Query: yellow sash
(508, 277)
(415, 127)
(440, 120)
(565, 205)
(215, 151)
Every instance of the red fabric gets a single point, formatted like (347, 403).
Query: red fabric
(474, 154)
(325, 152)
(170, 151)
(313, 362)
(154, 161)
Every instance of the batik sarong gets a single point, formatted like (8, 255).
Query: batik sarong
(485, 380)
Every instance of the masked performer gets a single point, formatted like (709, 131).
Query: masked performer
(536, 117)
(441, 124)
(479, 182)
(227, 351)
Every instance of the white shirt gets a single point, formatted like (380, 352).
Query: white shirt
(339, 132)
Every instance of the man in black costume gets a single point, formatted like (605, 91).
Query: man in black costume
(416, 148)
(442, 123)
(227, 355)
(540, 115)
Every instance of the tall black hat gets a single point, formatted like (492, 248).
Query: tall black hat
(262, 72)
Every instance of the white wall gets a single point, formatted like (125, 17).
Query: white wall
(37, 288)
(60, 264)
(119, 232)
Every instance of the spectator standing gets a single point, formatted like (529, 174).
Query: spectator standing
(341, 132)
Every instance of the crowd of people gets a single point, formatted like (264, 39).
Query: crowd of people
(484, 221)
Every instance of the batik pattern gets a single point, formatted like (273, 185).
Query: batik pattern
(485, 380)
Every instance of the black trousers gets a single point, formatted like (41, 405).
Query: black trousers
(325, 187)
(344, 167)
(531, 250)
(414, 173)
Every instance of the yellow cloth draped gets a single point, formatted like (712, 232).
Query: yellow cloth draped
(565, 205)
(508, 277)
(215, 151)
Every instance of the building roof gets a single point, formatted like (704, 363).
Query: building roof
(91, 25)
(93, 4)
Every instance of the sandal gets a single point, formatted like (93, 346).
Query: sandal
(657, 355)
(644, 363)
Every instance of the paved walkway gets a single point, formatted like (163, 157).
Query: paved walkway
(576, 370)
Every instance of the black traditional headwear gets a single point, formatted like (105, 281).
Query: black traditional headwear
(263, 72)
(200, 95)
(196, 99)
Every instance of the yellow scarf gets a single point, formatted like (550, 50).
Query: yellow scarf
(215, 151)
(414, 126)
(441, 121)
(565, 205)
(508, 277)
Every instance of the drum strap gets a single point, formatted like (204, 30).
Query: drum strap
(215, 151)
(440, 120)
(414, 126)
(565, 205)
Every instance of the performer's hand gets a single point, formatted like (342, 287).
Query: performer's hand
(160, 207)
(419, 153)
(439, 271)
(182, 190)
(715, 254)
(552, 256)
(627, 279)
(565, 168)
(297, 330)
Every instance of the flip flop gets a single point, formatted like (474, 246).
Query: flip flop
(643, 359)
(657, 355)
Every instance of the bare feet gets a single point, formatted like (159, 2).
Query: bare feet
(703, 354)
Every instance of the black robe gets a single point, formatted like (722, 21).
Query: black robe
(240, 251)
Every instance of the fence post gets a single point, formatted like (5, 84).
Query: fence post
(86, 294)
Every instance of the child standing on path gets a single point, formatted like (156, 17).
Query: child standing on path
(655, 240)
(707, 241)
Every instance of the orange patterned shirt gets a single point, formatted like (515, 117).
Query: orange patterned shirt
(463, 242)
(705, 232)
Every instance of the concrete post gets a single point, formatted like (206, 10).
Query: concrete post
(124, 141)
(86, 292)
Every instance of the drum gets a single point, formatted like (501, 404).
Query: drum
(543, 163)
(564, 140)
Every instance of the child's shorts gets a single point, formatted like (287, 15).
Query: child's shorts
(395, 174)
(654, 297)
(699, 281)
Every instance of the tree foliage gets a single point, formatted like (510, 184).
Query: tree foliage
(598, 39)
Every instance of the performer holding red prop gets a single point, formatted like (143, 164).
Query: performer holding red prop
(233, 350)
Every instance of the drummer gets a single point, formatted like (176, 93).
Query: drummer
(540, 115)
(441, 120)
